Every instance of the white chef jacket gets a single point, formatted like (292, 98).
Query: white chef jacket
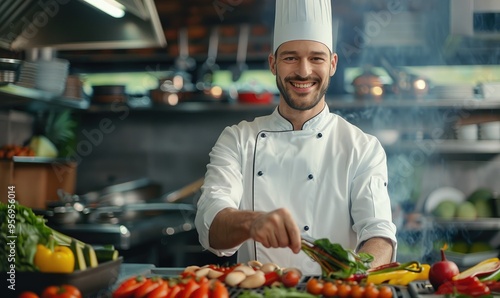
(330, 175)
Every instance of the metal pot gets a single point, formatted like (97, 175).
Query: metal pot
(9, 70)
(368, 84)
(67, 210)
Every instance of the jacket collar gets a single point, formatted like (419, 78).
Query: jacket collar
(315, 123)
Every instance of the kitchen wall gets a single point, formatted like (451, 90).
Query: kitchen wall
(168, 147)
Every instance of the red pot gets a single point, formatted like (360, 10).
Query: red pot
(255, 98)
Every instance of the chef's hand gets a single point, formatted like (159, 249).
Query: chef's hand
(276, 229)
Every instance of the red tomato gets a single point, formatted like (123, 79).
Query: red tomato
(290, 278)
(314, 286)
(329, 289)
(28, 294)
(357, 291)
(218, 290)
(63, 291)
(160, 292)
(344, 290)
(371, 292)
(127, 288)
(147, 287)
(384, 292)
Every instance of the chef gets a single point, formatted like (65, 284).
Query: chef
(301, 170)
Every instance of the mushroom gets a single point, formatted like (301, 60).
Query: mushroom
(254, 281)
(234, 278)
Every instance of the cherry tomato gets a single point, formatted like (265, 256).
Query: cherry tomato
(290, 278)
(128, 287)
(384, 292)
(371, 292)
(314, 286)
(357, 291)
(329, 289)
(344, 290)
(28, 294)
(62, 291)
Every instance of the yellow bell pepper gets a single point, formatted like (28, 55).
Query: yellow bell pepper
(61, 260)
(400, 277)
(487, 266)
(408, 277)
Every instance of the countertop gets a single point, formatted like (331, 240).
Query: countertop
(128, 270)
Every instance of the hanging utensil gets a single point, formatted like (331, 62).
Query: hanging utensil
(184, 62)
(185, 191)
(241, 55)
(207, 69)
(181, 81)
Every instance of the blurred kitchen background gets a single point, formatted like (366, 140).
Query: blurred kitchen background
(135, 103)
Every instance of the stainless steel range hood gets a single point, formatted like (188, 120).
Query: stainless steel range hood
(75, 25)
(474, 29)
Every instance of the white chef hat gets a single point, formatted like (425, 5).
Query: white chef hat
(303, 20)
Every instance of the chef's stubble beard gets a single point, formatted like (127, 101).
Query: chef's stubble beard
(297, 104)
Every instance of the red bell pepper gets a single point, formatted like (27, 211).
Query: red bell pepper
(469, 286)
(271, 277)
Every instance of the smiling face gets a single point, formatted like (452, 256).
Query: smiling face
(303, 69)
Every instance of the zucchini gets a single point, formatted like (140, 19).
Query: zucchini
(90, 256)
(76, 248)
(106, 254)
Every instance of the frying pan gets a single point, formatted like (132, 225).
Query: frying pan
(241, 55)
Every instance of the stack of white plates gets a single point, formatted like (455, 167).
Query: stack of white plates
(454, 91)
(47, 75)
(490, 90)
(489, 130)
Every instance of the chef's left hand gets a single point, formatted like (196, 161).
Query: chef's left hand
(276, 229)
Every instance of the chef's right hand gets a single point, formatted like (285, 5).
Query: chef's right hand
(276, 229)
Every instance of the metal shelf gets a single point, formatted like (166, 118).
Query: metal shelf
(335, 103)
(350, 102)
(476, 224)
(449, 146)
(12, 91)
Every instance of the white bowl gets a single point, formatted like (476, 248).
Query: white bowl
(490, 131)
(467, 132)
